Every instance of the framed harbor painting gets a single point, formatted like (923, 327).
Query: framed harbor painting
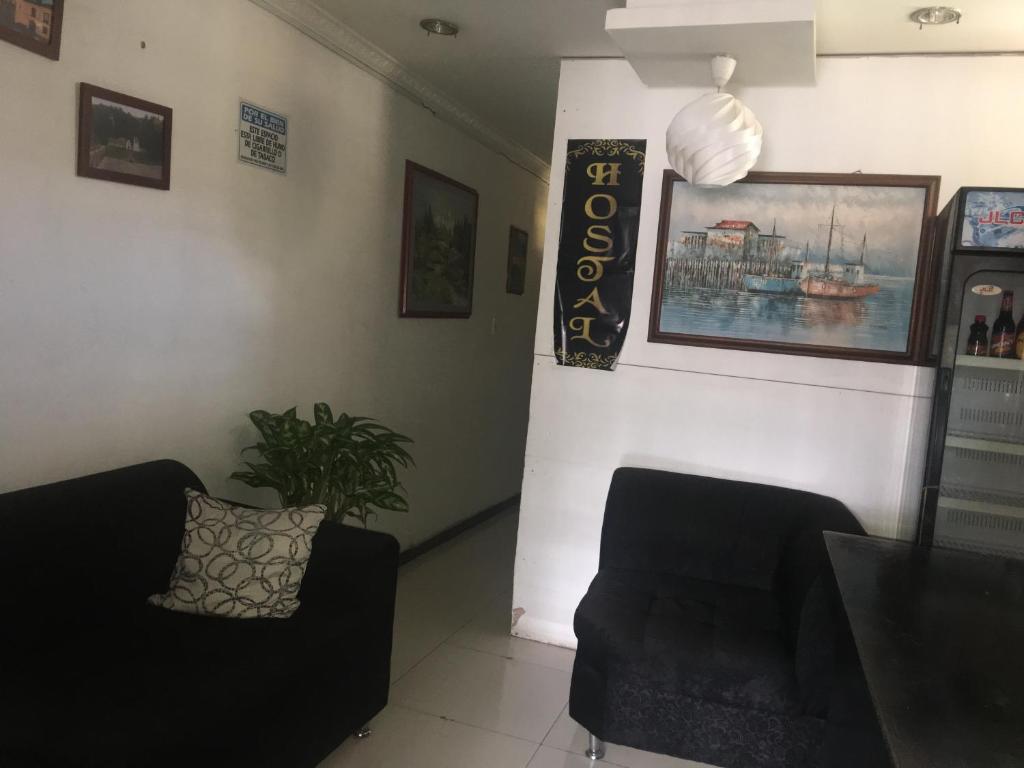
(438, 245)
(831, 265)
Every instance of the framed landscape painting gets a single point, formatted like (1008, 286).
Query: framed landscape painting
(831, 265)
(515, 271)
(438, 245)
(122, 138)
(33, 24)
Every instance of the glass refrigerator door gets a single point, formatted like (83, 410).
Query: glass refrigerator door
(981, 490)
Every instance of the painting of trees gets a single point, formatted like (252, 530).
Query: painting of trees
(440, 245)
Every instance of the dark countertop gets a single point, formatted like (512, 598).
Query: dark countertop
(940, 635)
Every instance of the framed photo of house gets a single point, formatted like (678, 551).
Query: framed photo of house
(830, 265)
(33, 25)
(122, 138)
(438, 245)
(515, 271)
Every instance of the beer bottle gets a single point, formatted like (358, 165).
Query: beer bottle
(1004, 330)
(977, 343)
(1020, 338)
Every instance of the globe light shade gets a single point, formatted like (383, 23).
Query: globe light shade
(714, 140)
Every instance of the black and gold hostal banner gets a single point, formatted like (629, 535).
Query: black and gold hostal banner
(597, 250)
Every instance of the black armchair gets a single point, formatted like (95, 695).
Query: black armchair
(91, 676)
(711, 629)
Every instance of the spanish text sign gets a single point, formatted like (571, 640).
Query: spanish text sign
(597, 250)
(263, 138)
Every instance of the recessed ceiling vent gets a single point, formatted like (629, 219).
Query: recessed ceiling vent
(440, 27)
(936, 14)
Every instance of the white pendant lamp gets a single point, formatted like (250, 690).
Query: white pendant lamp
(715, 139)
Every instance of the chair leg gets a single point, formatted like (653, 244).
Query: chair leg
(364, 732)
(595, 748)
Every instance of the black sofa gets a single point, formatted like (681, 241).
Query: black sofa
(90, 675)
(713, 630)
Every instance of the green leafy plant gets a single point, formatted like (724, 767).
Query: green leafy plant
(349, 463)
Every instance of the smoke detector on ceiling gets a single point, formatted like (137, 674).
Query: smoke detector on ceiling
(936, 14)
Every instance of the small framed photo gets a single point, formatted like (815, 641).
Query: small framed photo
(515, 276)
(122, 138)
(33, 24)
(438, 245)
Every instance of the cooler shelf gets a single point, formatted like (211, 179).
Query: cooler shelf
(997, 363)
(983, 507)
(977, 444)
(974, 501)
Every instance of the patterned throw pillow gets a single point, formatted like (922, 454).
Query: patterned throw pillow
(238, 562)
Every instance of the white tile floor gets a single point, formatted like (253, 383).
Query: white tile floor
(464, 693)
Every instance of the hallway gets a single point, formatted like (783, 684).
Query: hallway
(464, 693)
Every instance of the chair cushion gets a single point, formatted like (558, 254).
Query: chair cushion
(697, 638)
(167, 688)
(710, 732)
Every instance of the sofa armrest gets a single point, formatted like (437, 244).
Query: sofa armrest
(350, 567)
(353, 572)
(811, 605)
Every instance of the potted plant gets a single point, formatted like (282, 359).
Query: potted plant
(349, 463)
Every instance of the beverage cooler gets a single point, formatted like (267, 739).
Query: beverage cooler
(974, 479)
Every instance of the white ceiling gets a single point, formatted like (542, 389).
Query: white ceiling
(504, 63)
(883, 26)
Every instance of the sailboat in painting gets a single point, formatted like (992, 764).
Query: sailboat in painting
(849, 284)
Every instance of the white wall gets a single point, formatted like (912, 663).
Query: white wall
(137, 324)
(847, 429)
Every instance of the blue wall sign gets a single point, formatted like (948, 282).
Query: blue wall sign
(262, 138)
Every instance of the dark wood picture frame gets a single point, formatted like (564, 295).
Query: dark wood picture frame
(86, 93)
(515, 237)
(922, 302)
(406, 303)
(49, 49)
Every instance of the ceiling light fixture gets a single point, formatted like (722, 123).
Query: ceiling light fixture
(936, 14)
(715, 139)
(440, 27)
